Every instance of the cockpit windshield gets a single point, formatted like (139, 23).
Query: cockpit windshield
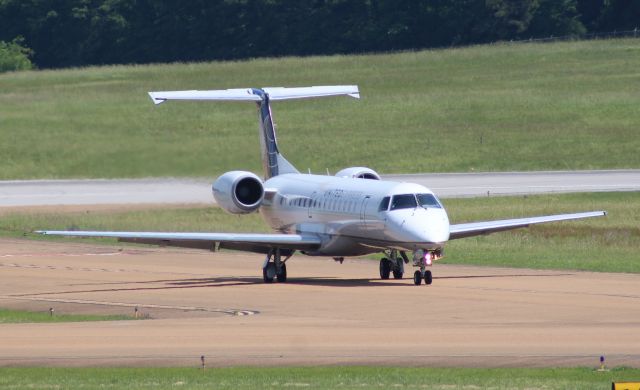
(407, 201)
(411, 201)
(428, 200)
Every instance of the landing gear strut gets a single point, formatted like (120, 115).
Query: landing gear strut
(393, 264)
(274, 266)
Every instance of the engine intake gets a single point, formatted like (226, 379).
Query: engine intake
(238, 192)
(359, 173)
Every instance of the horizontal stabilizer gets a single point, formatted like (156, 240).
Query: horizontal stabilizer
(255, 95)
(278, 93)
(221, 95)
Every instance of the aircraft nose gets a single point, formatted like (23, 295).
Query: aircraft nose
(427, 226)
(439, 232)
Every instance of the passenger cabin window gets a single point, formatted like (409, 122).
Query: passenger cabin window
(384, 205)
(428, 200)
(407, 201)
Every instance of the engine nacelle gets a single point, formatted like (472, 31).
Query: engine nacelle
(359, 173)
(238, 192)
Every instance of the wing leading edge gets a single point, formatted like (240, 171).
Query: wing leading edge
(251, 242)
(479, 228)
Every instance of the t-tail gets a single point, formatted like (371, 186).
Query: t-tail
(273, 162)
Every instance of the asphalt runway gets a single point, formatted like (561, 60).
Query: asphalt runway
(198, 191)
(215, 304)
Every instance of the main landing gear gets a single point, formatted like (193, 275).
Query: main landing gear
(274, 266)
(393, 264)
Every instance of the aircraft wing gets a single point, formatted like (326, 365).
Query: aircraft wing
(463, 230)
(251, 242)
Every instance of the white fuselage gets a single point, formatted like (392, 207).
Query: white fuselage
(350, 216)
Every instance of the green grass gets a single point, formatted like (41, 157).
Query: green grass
(175, 219)
(606, 244)
(567, 105)
(20, 316)
(313, 378)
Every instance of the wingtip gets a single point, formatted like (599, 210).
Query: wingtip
(356, 92)
(156, 100)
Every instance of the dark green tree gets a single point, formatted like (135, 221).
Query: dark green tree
(556, 18)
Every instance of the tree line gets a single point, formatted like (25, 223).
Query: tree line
(64, 33)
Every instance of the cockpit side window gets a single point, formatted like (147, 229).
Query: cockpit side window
(428, 201)
(407, 201)
(384, 205)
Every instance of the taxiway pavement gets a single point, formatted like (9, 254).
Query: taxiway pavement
(198, 191)
(216, 305)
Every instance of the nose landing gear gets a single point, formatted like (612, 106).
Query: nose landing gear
(418, 276)
(424, 259)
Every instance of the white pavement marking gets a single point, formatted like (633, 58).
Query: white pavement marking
(198, 191)
(231, 312)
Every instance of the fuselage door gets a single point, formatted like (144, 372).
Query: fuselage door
(363, 210)
(312, 203)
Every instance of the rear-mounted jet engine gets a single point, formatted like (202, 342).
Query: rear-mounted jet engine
(359, 173)
(238, 192)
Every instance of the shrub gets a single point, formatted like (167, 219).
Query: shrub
(14, 56)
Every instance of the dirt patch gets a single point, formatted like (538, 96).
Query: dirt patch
(327, 313)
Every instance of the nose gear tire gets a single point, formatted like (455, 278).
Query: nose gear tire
(417, 278)
(428, 277)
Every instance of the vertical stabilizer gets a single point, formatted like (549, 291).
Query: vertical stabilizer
(273, 162)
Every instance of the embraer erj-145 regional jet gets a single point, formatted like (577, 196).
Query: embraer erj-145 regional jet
(353, 213)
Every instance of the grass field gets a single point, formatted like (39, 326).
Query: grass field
(567, 105)
(607, 244)
(312, 378)
(597, 244)
(19, 316)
